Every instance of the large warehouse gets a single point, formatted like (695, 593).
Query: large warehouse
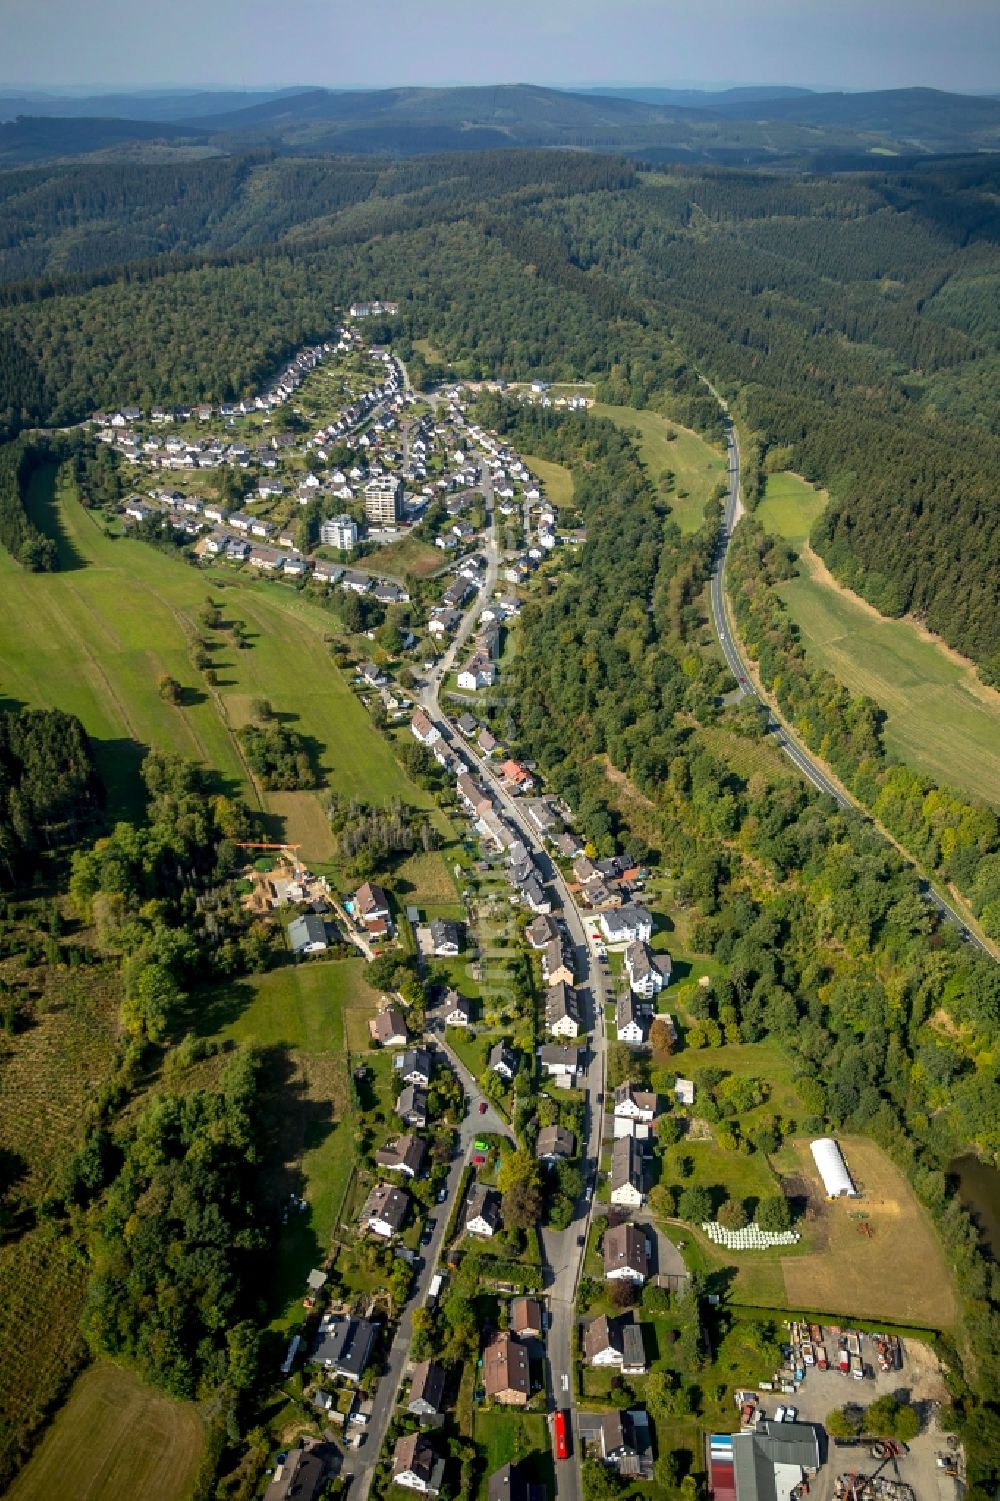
(832, 1169)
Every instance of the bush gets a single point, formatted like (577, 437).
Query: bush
(774, 1213)
(732, 1214)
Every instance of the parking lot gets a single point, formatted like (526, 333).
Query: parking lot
(919, 1382)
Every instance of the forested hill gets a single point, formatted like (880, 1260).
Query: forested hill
(742, 126)
(851, 320)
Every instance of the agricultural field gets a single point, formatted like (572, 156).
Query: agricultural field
(697, 466)
(313, 1014)
(115, 1439)
(120, 614)
(556, 479)
(940, 718)
(42, 1104)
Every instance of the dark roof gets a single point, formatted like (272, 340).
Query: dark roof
(299, 1477)
(307, 929)
(509, 1483)
(505, 1366)
(428, 1384)
(344, 1345)
(555, 1141)
(408, 1151)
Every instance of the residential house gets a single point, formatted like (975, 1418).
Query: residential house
(542, 931)
(565, 844)
(534, 895)
(386, 1210)
(511, 1483)
(503, 1060)
(414, 1066)
(446, 938)
(648, 973)
(411, 1106)
(621, 1439)
(467, 726)
(634, 1106)
(388, 1028)
(555, 1144)
(478, 672)
(371, 904)
(506, 1373)
(626, 1254)
(405, 1155)
(630, 1020)
(416, 1466)
(457, 1009)
(482, 1211)
(617, 1343)
(472, 795)
(343, 1346)
(629, 924)
(562, 1015)
(423, 729)
(307, 935)
(426, 1389)
(299, 1475)
(559, 1061)
(526, 1320)
(357, 583)
(487, 742)
(626, 1180)
(517, 777)
(555, 969)
(372, 674)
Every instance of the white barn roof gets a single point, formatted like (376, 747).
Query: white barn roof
(832, 1169)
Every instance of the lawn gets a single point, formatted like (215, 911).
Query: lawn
(503, 1437)
(940, 718)
(695, 464)
(315, 1011)
(121, 613)
(115, 1439)
(557, 480)
(789, 507)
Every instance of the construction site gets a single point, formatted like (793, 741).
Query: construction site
(275, 877)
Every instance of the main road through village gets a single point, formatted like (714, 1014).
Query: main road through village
(563, 1251)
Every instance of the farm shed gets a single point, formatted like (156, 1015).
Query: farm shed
(829, 1160)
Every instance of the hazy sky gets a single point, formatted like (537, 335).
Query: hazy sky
(376, 43)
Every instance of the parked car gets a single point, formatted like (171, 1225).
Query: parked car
(478, 1159)
(483, 1107)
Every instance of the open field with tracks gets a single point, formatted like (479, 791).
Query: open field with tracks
(940, 718)
(94, 638)
(114, 1440)
(697, 467)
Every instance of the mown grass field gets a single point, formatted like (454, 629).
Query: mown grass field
(505, 1437)
(696, 465)
(314, 1012)
(94, 638)
(115, 1440)
(940, 718)
(789, 507)
(556, 479)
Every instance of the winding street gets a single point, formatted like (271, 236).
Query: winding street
(777, 725)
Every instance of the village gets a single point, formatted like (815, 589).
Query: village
(512, 1247)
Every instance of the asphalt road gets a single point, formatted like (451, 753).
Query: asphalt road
(777, 726)
(562, 1251)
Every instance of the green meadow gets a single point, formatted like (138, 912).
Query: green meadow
(94, 638)
(940, 718)
(697, 466)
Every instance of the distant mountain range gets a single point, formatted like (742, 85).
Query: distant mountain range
(778, 126)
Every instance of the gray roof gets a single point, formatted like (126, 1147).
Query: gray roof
(554, 1141)
(756, 1454)
(427, 1385)
(344, 1344)
(483, 1202)
(305, 930)
(626, 1163)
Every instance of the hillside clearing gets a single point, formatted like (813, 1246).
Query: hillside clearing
(697, 466)
(115, 1439)
(556, 479)
(104, 630)
(789, 507)
(940, 718)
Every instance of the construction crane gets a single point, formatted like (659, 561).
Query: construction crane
(251, 844)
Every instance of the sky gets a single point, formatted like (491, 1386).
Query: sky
(855, 44)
